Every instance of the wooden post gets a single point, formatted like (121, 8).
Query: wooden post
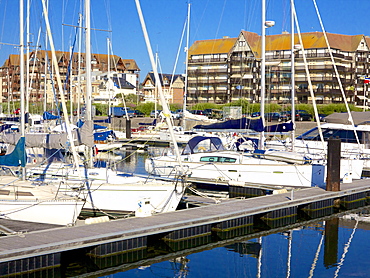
(333, 165)
(128, 128)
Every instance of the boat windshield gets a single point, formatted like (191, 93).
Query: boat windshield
(347, 136)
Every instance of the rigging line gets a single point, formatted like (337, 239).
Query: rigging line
(308, 75)
(178, 54)
(337, 75)
(108, 12)
(345, 250)
(219, 23)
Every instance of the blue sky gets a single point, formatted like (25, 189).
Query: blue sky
(209, 19)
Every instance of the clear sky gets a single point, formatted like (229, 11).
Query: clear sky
(209, 19)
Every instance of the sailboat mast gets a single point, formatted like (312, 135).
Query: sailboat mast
(88, 60)
(28, 57)
(263, 77)
(108, 85)
(21, 68)
(59, 83)
(89, 153)
(292, 72)
(21, 65)
(186, 66)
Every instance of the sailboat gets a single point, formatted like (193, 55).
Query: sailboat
(105, 189)
(206, 159)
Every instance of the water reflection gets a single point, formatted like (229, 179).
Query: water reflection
(331, 247)
(335, 246)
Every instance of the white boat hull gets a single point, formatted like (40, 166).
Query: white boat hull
(24, 201)
(112, 191)
(160, 197)
(257, 172)
(58, 212)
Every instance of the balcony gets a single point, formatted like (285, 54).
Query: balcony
(206, 71)
(207, 60)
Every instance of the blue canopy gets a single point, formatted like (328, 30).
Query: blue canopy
(48, 116)
(103, 135)
(243, 123)
(203, 143)
(18, 156)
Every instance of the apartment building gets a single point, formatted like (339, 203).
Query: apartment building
(42, 80)
(228, 69)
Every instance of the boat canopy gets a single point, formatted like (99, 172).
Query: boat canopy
(203, 144)
(243, 123)
(48, 116)
(103, 135)
(248, 123)
(17, 157)
(359, 118)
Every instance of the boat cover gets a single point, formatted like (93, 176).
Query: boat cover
(103, 135)
(359, 118)
(17, 157)
(283, 127)
(82, 136)
(48, 116)
(208, 143)
(243, 123)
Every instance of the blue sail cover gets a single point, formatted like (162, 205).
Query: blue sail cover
(284, 127)
(18, 157)
(80, 123)
(243, 123)
(48, 116)
(103, 135)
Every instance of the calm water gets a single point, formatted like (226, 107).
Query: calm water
(331, 247)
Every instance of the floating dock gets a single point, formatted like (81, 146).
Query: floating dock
(231, 218)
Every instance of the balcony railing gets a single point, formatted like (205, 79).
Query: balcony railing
(207, 60)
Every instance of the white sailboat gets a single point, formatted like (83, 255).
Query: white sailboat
(21, 199)
(105, 189)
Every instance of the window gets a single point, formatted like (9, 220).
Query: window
(217, 159)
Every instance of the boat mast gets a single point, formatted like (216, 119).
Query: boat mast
(186, 67)
(263, 77)
(109, 86)
(21, 68)
(88, 76)
(292, 73)
(28, 57)
(60, 87)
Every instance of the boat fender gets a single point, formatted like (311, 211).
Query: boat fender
(94, 220)
(236, 183)
(279, 191)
